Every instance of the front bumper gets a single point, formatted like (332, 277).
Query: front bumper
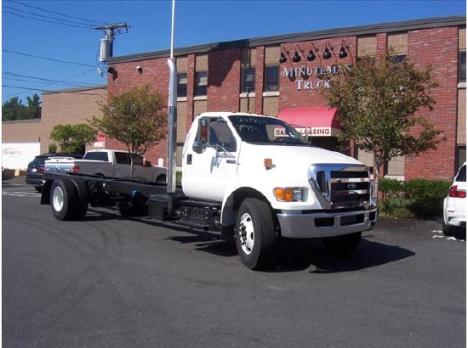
(301, 225)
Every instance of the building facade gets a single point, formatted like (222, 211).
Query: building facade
(269, 74)
(24, 139)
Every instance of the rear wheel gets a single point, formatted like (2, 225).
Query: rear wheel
(342, 245)
(63, 200)
(255, 234)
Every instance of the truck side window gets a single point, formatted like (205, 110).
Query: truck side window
(122, 158)
(138, 160)
(97, 156)
(220, 134)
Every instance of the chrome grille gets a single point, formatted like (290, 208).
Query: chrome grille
(339, 186)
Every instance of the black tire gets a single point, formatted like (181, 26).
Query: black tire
(342, 245)
(448, 230)
(81, 211)
(260, 256)
(82, 202)
(70, 200)
(161, 179)
(38, 188)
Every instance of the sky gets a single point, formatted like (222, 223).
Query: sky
(197, 22)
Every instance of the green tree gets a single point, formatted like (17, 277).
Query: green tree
(14, 109)
(33, 108)
(377, 102)
(135, 118)
(73, 138)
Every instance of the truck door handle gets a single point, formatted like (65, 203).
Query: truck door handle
(189, 158)
(231, 161)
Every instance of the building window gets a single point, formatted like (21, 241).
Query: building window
(397, 46)
(201, 83)
(462, 66)
(248, 80)
(182, 85)
(272, 69)
(248, 61)
(271, 78)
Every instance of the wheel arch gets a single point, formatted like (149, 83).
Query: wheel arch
(233, 201)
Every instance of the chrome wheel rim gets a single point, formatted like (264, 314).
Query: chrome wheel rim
(246, 233)
(57, 198)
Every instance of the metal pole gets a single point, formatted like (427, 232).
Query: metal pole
(172, 121)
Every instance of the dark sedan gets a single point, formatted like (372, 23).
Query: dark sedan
(36, 168)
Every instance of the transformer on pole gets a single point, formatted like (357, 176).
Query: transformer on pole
(106, 45)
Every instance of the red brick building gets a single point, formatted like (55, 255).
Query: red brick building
(266, 75)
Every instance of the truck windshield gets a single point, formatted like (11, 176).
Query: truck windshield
(265, 130)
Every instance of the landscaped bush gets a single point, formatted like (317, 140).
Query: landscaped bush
(419, 197)
(427, 196)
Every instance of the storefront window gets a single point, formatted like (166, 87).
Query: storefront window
(272, 78)
(462, 66)
(182, 85)
(201, 83)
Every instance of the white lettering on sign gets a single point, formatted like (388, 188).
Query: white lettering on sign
(314, 131)
(301, 75)
(306, 131)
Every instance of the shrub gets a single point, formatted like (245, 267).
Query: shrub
(391, 187)
(427, 196)
(419, 197)
(52, 148)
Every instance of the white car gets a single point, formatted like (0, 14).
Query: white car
(455, 203)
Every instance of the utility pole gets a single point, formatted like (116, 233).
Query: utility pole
(107, 43)
(172, 118)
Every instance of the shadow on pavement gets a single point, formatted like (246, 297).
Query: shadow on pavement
(291, 255)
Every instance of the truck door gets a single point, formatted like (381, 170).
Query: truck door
(210, 164)
(122, 167)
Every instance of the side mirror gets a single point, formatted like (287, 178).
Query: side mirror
(198, 147)
(147, 163)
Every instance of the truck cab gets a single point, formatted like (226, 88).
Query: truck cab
(311, 192)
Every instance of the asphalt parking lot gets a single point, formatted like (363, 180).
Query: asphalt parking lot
(109, 282)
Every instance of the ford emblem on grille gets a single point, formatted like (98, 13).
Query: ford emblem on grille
(351, 186)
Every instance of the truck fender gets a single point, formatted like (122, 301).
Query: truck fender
(82, 189)
(232, 201)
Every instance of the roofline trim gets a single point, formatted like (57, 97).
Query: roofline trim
(77, 89)
(388, 27)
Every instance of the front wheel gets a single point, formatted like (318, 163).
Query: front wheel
(255, 234)
(342, 245)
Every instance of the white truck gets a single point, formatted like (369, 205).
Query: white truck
(108, 163)
(249, 177)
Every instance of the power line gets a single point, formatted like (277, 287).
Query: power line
(52, 18)
(51, 84)
(41, 20)
(56, 12)
(15, 75)
(46, 58)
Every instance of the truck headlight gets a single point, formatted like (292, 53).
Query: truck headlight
(289, 194)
